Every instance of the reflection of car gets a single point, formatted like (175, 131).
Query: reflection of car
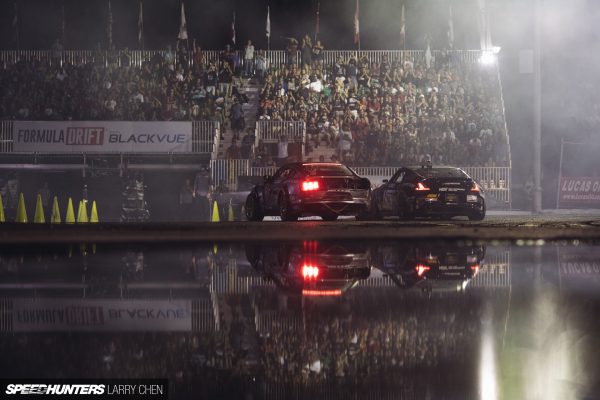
(312, 268)
(327, 190)
(431, 264)
(429, 191)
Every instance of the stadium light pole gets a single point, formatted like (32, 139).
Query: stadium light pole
(537, 108)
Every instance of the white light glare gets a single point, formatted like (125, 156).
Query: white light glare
(488, 58)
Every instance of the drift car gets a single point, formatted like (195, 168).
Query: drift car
(296, 190)
(311, 268)
(436, 265)
(428, 191)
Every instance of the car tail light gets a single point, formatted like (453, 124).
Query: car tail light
(421, 187)
(475, 187)
(308, 186)
(421, 269)
(334, 292)
(310, 272)
(475, 269)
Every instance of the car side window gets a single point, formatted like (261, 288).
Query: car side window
(398, 177)
(282, 174)
(408, 178)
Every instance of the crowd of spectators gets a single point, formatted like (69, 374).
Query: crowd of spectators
(168, 87)
(368, 339)
(392, 112)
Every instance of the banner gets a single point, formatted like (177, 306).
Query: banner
(60, 315)
(579, 191)
(102, 137)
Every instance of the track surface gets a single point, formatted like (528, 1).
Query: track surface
(496, 226)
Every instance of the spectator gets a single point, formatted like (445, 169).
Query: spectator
(186, 200)
(282, 150)
(233, 151)
(247, 143)
(202, 194)
(237, 118)
(306, 56)
(261, 65)
(249, 58)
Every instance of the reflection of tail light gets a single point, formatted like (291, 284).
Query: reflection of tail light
(475, 187)
(310, 272)
(421, 269)
(307, 292)
(308, 186)
(310, 246)
(421, 188)
(475, 269)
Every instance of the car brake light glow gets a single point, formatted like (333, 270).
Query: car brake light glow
(308, 186)
(307, 292)
(421, 187)
(310, 272)
(475, 187)
(475, 269)
(421, 269)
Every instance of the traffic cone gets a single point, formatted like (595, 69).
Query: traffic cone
(2, 217)
(38, 217)
(21, 211)
(230, 213)
(82, 217)
(215, 248)
(55, 218)
(215, 213)
(70, 217)
(94, 216)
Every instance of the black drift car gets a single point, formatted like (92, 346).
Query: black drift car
(427, 191)
(299, 189)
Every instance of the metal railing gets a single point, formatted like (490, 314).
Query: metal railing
(271, 131)
(274, 57)
(205, 137)
(228, 171)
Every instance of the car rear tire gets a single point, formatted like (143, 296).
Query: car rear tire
(478, 216)
(254, 211)
(284, 209)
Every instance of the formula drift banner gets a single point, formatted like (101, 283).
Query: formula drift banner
(102, 136)
(579, 191)
(60, 315)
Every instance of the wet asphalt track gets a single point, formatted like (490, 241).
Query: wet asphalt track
(499, 225)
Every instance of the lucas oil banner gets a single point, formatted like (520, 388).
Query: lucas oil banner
(61, 315)
(102, 137)
(579, 191)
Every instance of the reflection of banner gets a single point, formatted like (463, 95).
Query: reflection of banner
(47, 315)
(102, 136)
(579, 190)
(579, 262)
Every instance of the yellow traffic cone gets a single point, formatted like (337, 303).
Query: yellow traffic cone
(21, 211)
(215, 248)
(55, 218)
(94, 216)
(230, 212)
(215, 213)
(82, 217)
(38, 217)
(70, 217)
(2, 217)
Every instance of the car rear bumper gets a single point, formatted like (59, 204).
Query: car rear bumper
(354, 207)
(431, 208)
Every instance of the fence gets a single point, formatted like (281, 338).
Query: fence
(227, 171)
(494, 271)
(274, 57)
(271, 132)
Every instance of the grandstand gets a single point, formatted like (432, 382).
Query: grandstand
(374, 110)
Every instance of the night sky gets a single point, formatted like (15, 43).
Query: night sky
(209, 21)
